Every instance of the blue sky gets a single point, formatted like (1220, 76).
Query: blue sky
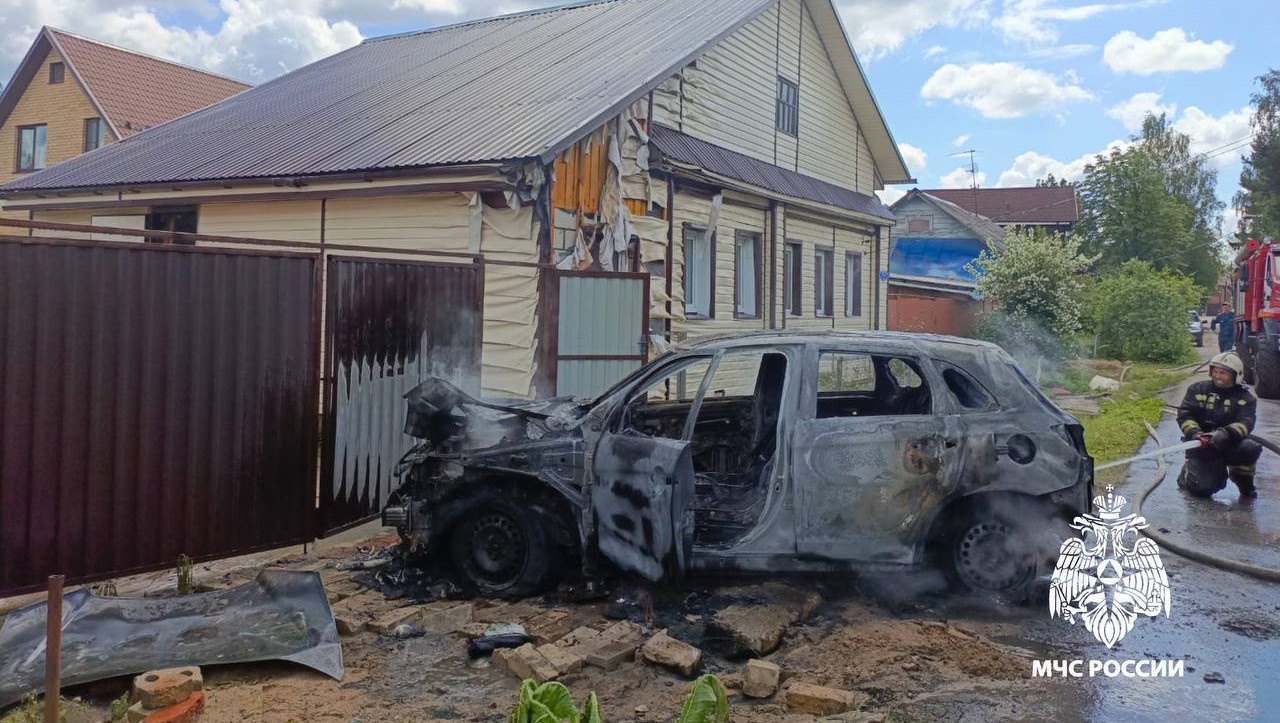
(1034, 86)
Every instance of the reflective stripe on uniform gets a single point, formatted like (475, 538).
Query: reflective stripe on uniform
(1239, 428)
(1189, 425)
(1248, 469)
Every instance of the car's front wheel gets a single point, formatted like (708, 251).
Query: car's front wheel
(503, 550)
(991, 552)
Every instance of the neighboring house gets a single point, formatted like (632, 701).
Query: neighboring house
(71, 95)
(728, 149)
(930, 290)
(1052, 208)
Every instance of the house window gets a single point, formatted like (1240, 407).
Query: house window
(747, 275)
(788, 114)
(699, 259)
(824, 278)
(792, 270)
(853, 283)
(918, 225)
(31, 147)
(95, 134)
(57, 72)
(177, 219)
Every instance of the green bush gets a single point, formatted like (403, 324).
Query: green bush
(1140, 314)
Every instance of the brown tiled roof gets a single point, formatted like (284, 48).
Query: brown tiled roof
(1048, 205)
(137, 91)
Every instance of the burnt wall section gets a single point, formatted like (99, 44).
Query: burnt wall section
(157, 401)
(390, 325)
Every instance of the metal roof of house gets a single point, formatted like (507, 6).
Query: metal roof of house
(686, 149)
(1036, 205)
(520, 86)
(131, 90)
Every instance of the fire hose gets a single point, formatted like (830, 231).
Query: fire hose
(1222, 563)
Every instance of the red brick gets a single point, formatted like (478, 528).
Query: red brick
(184, 712)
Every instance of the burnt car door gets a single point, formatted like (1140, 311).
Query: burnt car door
(642, 470)
(870, 457)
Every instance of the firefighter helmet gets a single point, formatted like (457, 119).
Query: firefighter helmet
(1228, 360)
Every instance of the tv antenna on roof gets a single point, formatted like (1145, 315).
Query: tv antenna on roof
(973, 175)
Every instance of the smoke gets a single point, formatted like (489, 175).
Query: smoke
(1039, 352)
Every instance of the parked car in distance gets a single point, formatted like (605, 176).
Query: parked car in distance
(1196, 327)
(766, 452)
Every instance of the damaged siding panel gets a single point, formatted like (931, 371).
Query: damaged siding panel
(510, 302)
(828, 130)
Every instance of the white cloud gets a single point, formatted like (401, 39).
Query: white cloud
(915, 157)
(890, 196)
(1216, 135)
(960, 141)
(1003, 90)
(1167, 51)
(1133, 111)
(1032, 166)
(962, 178)
(1033, 21)
(934, 51)
(879, 27)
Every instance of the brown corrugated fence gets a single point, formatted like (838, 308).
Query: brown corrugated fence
(157, 401)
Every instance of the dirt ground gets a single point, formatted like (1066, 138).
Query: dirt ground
(915, 665)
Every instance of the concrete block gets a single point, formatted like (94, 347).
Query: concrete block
(388, 621)
(612, 655)
(760, 679)
(548, 626)
(163, 688)
(818, 700)
(445, 616)
(565, 660)
(526, 662)
(668, 652)
(754, 629)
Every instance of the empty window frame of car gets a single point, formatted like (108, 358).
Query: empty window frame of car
(970, 395)
(862, 384)
(660, 404)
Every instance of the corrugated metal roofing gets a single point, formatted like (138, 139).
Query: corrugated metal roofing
(1049, 204)
(517, 86)
(724, 162)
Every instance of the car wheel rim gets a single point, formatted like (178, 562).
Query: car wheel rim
(497, 550)
(988, 557)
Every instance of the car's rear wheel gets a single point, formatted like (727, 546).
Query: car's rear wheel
(991, 553)
(503, 550)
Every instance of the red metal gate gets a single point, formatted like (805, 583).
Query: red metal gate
(158, 400)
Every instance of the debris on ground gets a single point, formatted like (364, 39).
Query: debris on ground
(756, 627)
(666, 651)
(819, 700)
(1253, 624)
(760, 679)
(1214, 678)
(174, 695)
(282, 615)
(1100, 383)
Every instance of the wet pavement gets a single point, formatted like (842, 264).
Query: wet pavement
(1220, 622)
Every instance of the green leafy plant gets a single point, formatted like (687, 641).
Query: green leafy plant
(120, 707)
(185, 569)
(1140, 313)
(31, 711)
(552, 703)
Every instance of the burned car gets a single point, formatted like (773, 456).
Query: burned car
(769, 452)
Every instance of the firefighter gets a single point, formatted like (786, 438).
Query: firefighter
(1220, 412)
(1225, 322)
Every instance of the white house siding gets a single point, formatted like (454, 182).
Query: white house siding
(728, 97)
(278, 220)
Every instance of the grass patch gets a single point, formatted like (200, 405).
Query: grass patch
(1119, 430)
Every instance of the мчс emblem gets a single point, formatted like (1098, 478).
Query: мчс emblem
(1109, 575)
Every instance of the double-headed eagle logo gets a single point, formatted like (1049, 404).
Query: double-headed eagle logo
(1109, 575)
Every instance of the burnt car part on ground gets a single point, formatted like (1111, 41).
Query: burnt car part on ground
(767, 452)
(280, 615)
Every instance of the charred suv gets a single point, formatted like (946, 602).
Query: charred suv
(760, 452)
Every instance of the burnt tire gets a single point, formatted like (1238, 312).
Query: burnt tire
(1267, 370)
(989, 553)
(501, 549)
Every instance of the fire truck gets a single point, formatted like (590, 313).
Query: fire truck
(1257, 277)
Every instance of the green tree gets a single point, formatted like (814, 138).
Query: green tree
(1050, 181)
(1259, 194)
(1139, 313)
(1153, 201)
(1036, 282)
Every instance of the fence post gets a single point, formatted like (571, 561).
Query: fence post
(53, 651)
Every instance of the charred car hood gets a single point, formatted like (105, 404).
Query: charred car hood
(440, 412)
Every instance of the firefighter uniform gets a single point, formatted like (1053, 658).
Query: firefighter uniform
(1227, 415)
